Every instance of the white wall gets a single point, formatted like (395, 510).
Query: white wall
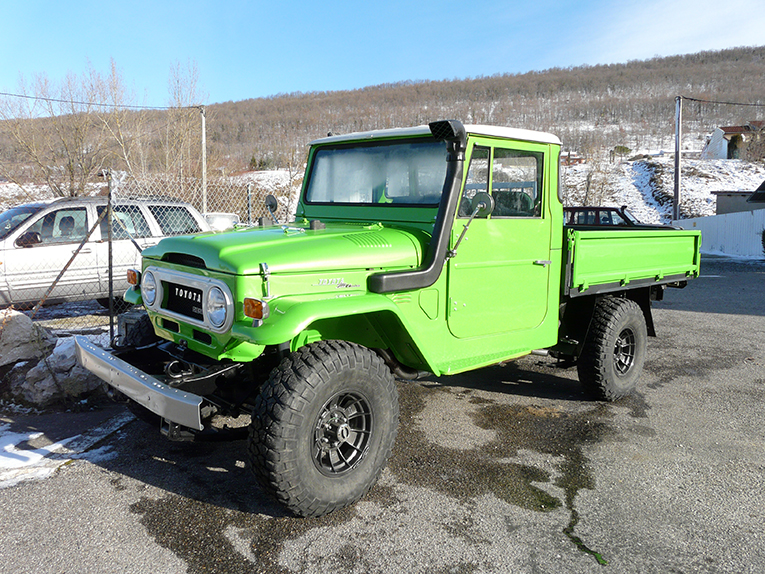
(716, 147)
(730, 234)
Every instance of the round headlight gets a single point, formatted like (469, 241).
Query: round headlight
(148, 288)
(216, 307)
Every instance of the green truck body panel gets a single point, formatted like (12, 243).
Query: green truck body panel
(623, 256)
(497, 298)
(297, 249)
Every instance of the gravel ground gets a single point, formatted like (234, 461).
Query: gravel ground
(507, 469)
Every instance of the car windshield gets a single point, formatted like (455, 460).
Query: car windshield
(399, 173)
(12, 218)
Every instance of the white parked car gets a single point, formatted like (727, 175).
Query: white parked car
(38, 239)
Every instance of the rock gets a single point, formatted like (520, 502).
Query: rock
(21, 339)
(12, 375)
(57, 378)
(63, 359)
(39, 388)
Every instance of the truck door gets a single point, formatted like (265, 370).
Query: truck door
(500, 277)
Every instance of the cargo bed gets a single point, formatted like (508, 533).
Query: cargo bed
(606, 260)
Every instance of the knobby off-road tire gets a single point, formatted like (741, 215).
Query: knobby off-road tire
(140, 333)
(614, 350)
(323, 427)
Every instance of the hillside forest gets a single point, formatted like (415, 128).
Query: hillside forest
(63, 133)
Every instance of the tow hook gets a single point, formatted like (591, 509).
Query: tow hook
(178, 369)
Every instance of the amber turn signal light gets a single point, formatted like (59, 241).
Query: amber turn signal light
(133, 277)
(255, 308)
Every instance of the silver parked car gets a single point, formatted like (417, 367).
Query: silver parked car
(38, 239)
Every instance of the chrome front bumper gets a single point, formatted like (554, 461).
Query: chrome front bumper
(172, 404)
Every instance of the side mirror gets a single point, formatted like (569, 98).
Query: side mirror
(272, 205)
(29, 239)
(482, 204)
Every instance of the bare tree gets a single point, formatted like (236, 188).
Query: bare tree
(66, 132)
(755, 148)
(182, 138)
(126, 128)
(596, 183)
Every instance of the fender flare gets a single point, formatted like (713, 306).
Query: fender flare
(296, 314)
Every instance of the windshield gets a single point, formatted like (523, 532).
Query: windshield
(12, 218)
(403, 173)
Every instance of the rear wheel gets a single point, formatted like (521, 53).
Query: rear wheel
(323, 426)
(614, 350)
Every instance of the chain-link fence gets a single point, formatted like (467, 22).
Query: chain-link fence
(61, 259)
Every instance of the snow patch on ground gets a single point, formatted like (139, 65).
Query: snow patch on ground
(19, 464)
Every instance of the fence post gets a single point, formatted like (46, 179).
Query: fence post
(249, 204)
(678, 147)
(111, 256)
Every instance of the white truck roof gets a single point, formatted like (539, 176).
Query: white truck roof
(484, 130)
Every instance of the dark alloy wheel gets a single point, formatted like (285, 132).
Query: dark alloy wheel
(614, 351)
(323, 426)
(624, 352)
(342, 433)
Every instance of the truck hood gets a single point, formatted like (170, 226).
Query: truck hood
(297, 249)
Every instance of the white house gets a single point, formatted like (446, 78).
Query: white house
(729, 141)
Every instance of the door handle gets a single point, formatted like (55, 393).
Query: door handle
(542, 262)
(83, 251)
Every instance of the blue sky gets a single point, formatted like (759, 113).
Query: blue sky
(249, 49)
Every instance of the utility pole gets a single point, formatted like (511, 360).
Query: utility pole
(678, 137)
(204, 159)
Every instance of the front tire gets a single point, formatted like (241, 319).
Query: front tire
(119, 304)
(323, 427)
(614, 350)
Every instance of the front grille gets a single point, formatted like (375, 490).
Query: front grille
(202, 337)
(184, 259)
(184, 300)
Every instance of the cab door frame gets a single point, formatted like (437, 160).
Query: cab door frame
(501, 278)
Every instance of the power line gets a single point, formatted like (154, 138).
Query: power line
(724, 103)
(98, 104)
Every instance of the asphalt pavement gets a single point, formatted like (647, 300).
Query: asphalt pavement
(507, 469)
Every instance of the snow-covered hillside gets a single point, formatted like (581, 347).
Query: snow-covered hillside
(646, 185)
(12, 194)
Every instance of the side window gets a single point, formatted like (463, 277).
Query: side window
(477, 178)
(63, 226)
(174, 219)
(128, 221)
(516, 183)
(617, 219)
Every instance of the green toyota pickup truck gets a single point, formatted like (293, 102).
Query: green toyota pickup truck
(430, 250)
